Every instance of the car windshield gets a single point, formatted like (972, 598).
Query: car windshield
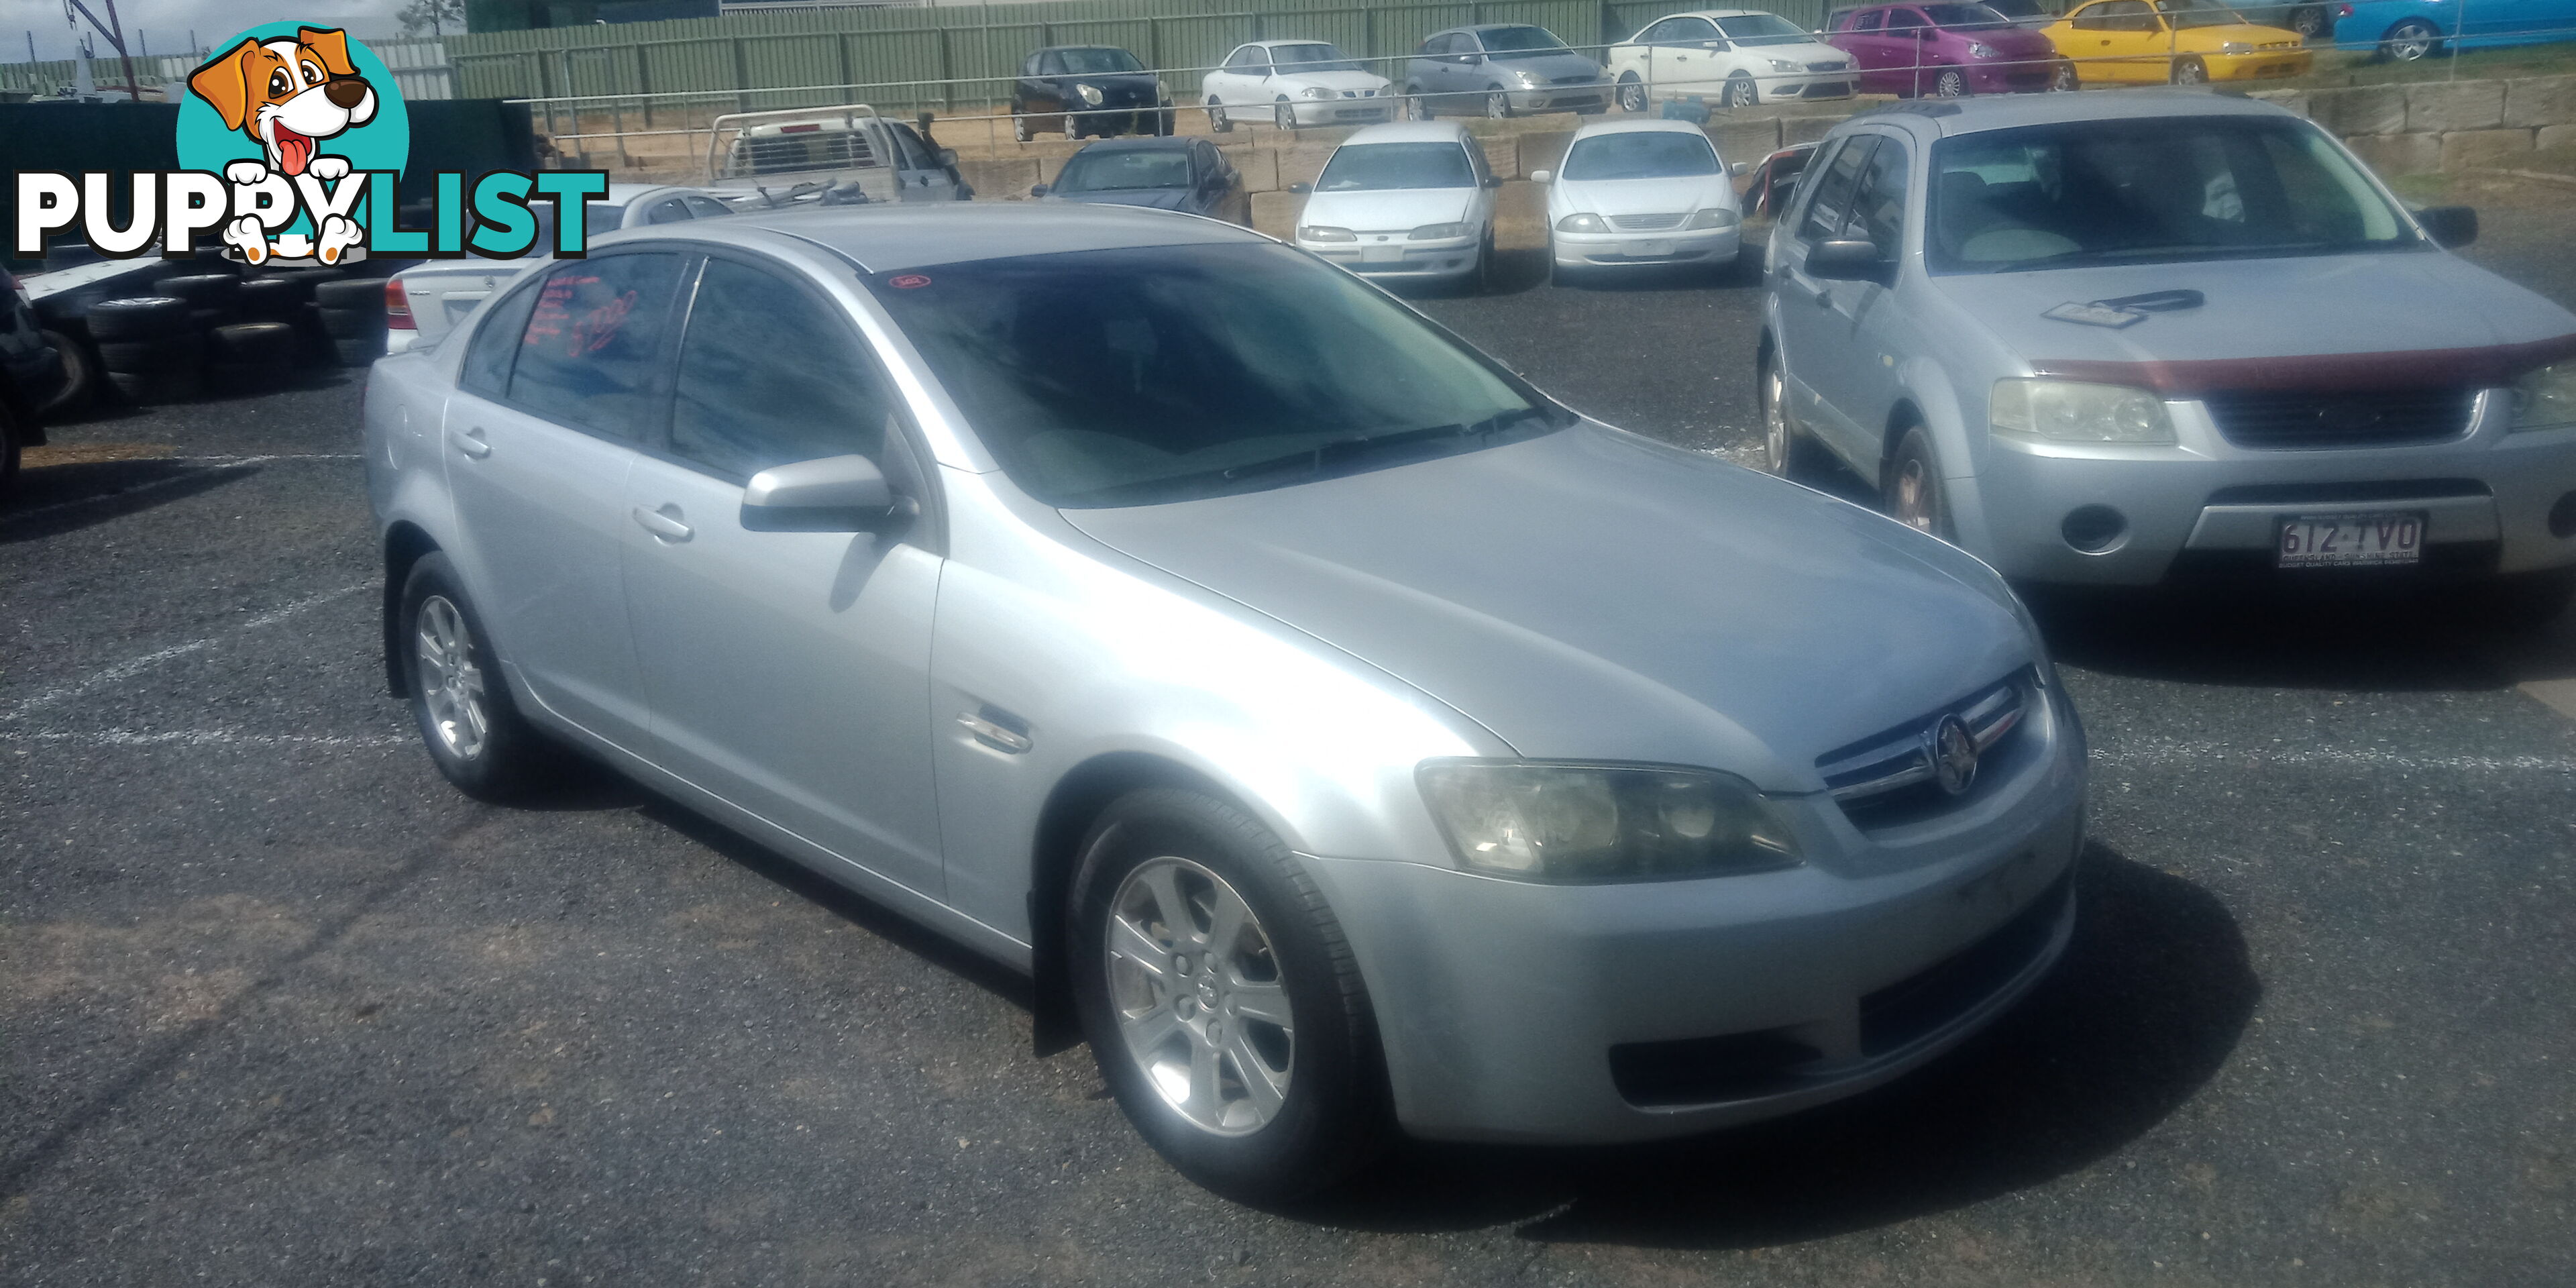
(1641, 154)
(1964, 16)
(2156, 190)
(1080, 62)
(1292, 59)
(2187, 14)
(1370, 167)
(1520, 42)
(1762, 29)
(1099, 170)
(1169, 373)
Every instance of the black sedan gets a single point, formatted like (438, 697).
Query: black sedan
(1188, 175)
(1088, 89)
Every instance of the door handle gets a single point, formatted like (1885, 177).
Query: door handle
(664, 527)
(470, 442)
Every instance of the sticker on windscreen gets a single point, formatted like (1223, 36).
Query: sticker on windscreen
(908, 281)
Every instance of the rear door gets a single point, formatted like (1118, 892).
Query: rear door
(789, 671)
(555, 392)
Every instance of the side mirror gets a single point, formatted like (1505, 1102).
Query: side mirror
(1471, 60)
(834, 494)
(1037, 190)
(1301, 189)
(1739, 168)
(1493, 181)
(2450, 227)
(1542, 176)
(1849, 261)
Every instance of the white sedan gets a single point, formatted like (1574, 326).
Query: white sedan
(1406, 200)
(1634, 193)
(1737, 57)
(1299, 82)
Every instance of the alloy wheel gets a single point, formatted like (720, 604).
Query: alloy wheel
(1019, 128)
(451, 685)
(1632, 94)
(1775, 420)
(1416, 105)
(1199, 997)
(1498, 104)
(1951, 84)
(2190, 71)
(1742, 92)
(2413, 39)
(1217, 121)
(1284, 116)
(2063, 78)
(1918, 504)
(2308, 21)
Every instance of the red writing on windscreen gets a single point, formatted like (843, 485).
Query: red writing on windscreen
(908, 282)
(564, 309)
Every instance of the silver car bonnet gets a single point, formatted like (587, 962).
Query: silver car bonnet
(2389, 302)
(1388, 209)
(1592, 594)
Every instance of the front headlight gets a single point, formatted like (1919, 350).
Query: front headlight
(2070, 411)
(2546, 399)
(2236, 47)
(1714, 218)
(1582, 223)
(1088, 94)
(1979, 50)
(1576, 822)
(1530, 80)
(1438, 232)
(1784, 65)
(1322, 233)
(1314, 91)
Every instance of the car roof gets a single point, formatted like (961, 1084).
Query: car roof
(1050, 49)
(1409, 132)
(1641, 125)
(1274, 44)
(1717, 13)
(1950, 117)
(887, 236)
(1488, 26)
(1143, 143)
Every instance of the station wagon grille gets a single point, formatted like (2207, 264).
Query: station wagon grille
(1645, 223)
(1879, 770)
(2307, 418)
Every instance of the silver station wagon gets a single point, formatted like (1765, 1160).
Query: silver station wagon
(2114, 337)
(1319, 713)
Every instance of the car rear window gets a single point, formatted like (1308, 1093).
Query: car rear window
(1098, 170)
(1370, 167)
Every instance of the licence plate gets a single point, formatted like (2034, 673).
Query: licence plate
(2352, 540)
(1391, 254)
(1653, 248)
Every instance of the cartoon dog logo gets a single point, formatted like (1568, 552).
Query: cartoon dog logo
(289, 96)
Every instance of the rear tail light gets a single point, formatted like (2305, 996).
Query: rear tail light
(397, 307)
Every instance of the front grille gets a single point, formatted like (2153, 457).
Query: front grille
(1645, 223)
(2307, 418)
(1827, 67)
(1878, 778)
(1929, 1000)
(1829, 89)
(1573, 80)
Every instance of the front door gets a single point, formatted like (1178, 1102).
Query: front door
(1815, 324)
(1683, 60)
(789, 671)
(539, 441)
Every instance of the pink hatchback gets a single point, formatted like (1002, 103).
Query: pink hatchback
(1945, 50)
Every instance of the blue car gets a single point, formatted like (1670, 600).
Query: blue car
(2406, 30)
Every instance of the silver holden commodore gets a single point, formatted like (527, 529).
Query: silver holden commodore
(2111, 337)
(1305, 701)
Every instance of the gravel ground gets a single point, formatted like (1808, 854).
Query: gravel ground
(276, 1006)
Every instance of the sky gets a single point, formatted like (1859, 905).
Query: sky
(165, 24)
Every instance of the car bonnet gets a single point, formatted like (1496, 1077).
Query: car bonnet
(1388, 209)
(1592, 594)
(1649, 196)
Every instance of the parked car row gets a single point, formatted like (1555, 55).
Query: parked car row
(1305, 701)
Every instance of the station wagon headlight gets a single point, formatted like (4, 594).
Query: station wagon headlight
(1784, 65)
(1088, 94)
(1577, 822)
(1314, 91)
(1582, 223)
(1321, 233)
(1162, 92)
(1438, 232)
(2236, 47)
(2546, 398)
(2072, 411)
(1714, 218)
(1977, 49)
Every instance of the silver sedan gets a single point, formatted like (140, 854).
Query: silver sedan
(1346, 736)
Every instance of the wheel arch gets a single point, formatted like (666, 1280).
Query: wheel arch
(405, 544)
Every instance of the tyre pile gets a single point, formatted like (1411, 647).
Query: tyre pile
(215, 328)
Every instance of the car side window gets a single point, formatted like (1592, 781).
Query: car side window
(706, 207)
(1878, 210)
(1903, 20)
(669, 210)
(1434, 47)
(496, 342)
(1831, 205)
(1029, 67)
(1051, 63)
(769, 374)
(1693, 31)
(591, 352)
(1654, 35)
(1868, 19)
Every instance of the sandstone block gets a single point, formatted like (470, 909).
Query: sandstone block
(2485, 149)
(2443, 106)
(2541, 101)
(2361, 109)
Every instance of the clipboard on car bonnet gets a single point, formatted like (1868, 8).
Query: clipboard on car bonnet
(2126, 310)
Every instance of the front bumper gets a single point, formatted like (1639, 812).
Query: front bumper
(2262, 64)
(1402, 259)
(1706, 246)
(1312, 112)
(1595, 1014)
(1786, 87)
(1115, 120)
(2486, 497)
(1561, 98)
(2014, 77)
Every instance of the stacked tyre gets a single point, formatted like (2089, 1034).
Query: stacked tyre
(250, 357)
(150, 348)
(214, 299)
(291, 301)
(353, 315)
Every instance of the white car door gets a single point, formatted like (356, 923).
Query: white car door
(538, 442)
(788, 671)
(1685, 64)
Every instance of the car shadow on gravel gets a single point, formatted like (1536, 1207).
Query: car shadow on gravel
(2280, 634)
(54, 499)
(2155, 991)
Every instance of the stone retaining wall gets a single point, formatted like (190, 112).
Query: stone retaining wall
(2443, 125)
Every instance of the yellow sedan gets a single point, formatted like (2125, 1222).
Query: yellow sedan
(2186, 42)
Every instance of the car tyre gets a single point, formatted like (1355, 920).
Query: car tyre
(461, 705)
(1284, 115)
(1912, 488)
(1950, 83)
(1218, 121)
(1632, 93)
(2190, 71)
(1180, 900)
(1787, 451)
(80, 379)
(144, 317)
(1742, 92)
(12, 440)
(2411, 40)
(1483, 280)
(1417, 105)
(1498, 104)
(1019, 127)
(2063, 78)
(2309, 21)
